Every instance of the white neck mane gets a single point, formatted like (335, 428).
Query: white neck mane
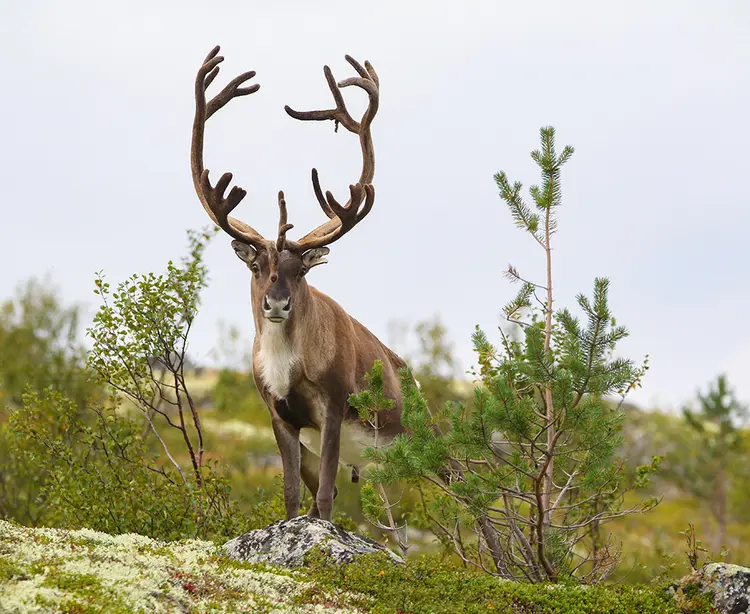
(276, 359)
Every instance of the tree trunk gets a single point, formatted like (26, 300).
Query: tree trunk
(493, 544)
(549, 473)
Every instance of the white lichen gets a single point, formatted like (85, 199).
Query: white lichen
(42, 569)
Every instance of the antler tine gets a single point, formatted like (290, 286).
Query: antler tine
(340, 114)
(372, 73)
(283, 226)
(368, 72)
(343, 219)
(319, 195)
(212, 198)
(347, 217)
(357, 66)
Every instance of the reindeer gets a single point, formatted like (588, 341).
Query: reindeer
(309, 354)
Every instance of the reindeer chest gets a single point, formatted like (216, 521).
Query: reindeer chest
(277, 361)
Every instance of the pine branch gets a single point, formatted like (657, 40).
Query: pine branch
(519, 210)
(521, 301)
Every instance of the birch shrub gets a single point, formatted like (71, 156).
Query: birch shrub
(140, 336)
(135, 462)
(521, 482)
(101, 474)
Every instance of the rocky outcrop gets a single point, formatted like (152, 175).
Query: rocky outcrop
(287, 542)
(729, 585)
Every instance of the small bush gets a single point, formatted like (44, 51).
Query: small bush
(100, 474)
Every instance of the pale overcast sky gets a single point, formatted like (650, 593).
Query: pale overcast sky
(97, 106)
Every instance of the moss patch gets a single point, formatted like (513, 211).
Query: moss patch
(428, 585)
(9, 570)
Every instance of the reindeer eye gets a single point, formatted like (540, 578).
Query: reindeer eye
(254, 268)
(302, 271)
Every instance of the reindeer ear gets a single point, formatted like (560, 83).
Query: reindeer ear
(314, 257)
(244, 252)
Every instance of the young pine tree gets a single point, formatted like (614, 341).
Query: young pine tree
(523, 480)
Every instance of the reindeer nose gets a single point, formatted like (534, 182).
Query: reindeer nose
(274, 277)
(276, 309)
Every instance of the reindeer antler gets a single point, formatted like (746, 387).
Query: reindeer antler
(344, 218)
(214, 202)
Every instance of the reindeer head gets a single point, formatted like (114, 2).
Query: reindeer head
(278, 284)
(279, 266)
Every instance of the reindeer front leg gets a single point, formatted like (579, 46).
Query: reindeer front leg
(329, 463)
(287, 438)
(310, 470)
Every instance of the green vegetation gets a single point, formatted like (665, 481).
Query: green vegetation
(85, 571)
(426, 584)
(540, 473)
(95, 464)
(716, 456)
(101, 475)
(140, 336)
(521, 482)
(39, 347)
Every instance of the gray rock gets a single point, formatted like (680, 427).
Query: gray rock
(730, 585)
(285, 543)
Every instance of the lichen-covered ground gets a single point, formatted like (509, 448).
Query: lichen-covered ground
(87, 572)
(52, 570)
